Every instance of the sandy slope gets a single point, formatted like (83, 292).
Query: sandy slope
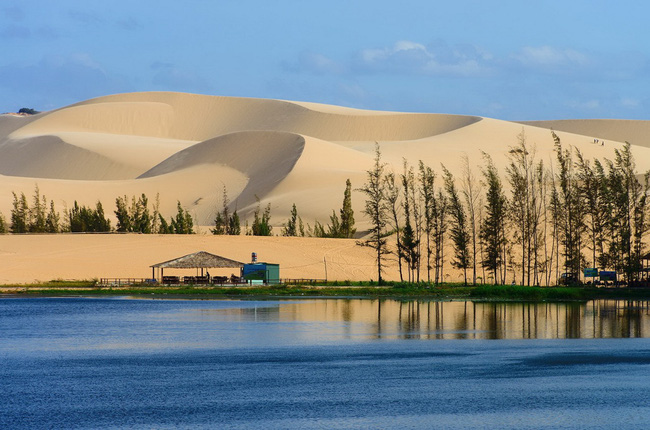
(634, 131)
(31, 258)
(187, 147)
(147, 142)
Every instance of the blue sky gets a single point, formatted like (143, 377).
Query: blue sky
(514, 60)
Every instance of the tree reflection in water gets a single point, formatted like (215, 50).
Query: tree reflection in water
(423, 319)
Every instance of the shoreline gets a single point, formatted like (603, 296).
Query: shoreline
(482, 293)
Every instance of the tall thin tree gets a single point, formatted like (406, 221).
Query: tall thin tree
(459, 233)
(493, 230)
(471, 195)
(376, 210)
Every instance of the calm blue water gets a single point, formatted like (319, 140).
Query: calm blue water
(119, 363)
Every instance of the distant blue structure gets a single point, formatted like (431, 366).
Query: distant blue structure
(268, 273)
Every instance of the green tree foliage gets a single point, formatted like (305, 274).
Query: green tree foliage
(317, 231)
(262, 222)
(221, 220)
(291, 227)
(334, 227)
(136, 217)
(571, 210)
(628, 223)
(347, 229)
(35, 219)
(19, 214)
(427, 194)
(526, 179)
(224, 222)
(340, 226)
(124, 222)
(3, 224)
(182, 223)
(493, 228)
(28, 111)
(376, 209)
(459, 234)
(37, 213)
(234, 224)
(100, 222)
(592, 186)
(393, 204)
(84, 219)
(52, 220)
(155, 216)
(440, 215)
(471, 196)
(409, 241)
(142, 217)
(163, 226)
(219, 225)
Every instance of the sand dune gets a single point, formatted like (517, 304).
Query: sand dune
(187, 147)
(634, 131)
(127, 138)
(198, 118)
(51, 157)
(266, 158)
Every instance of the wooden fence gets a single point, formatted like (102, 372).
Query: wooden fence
(202, 280)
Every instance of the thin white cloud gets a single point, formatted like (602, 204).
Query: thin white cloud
(548, 56)
(315, 63)
(408, 57)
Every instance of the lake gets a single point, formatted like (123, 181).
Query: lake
(121, 363)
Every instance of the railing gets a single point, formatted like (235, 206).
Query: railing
(302, 281)
(119, 282)
(203, 280)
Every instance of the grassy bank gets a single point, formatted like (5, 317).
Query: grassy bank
(335, 289)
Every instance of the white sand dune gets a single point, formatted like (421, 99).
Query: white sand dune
(123, 140)
(187, 147)
(198, 118)
(52, 157)
(636, 132)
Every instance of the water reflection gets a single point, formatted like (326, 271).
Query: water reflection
(419, 319)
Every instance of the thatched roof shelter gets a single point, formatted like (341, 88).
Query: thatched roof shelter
(199, 260)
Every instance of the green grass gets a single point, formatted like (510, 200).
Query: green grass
(510, 292)
(55, 284)
(364, 289)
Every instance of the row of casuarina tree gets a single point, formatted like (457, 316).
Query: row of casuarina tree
(133, 215)
(552, 220)
(340, 226)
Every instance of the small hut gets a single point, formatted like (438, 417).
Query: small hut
(199, 260)
(268, 273)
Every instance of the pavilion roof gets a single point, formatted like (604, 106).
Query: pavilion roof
(199, 260)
